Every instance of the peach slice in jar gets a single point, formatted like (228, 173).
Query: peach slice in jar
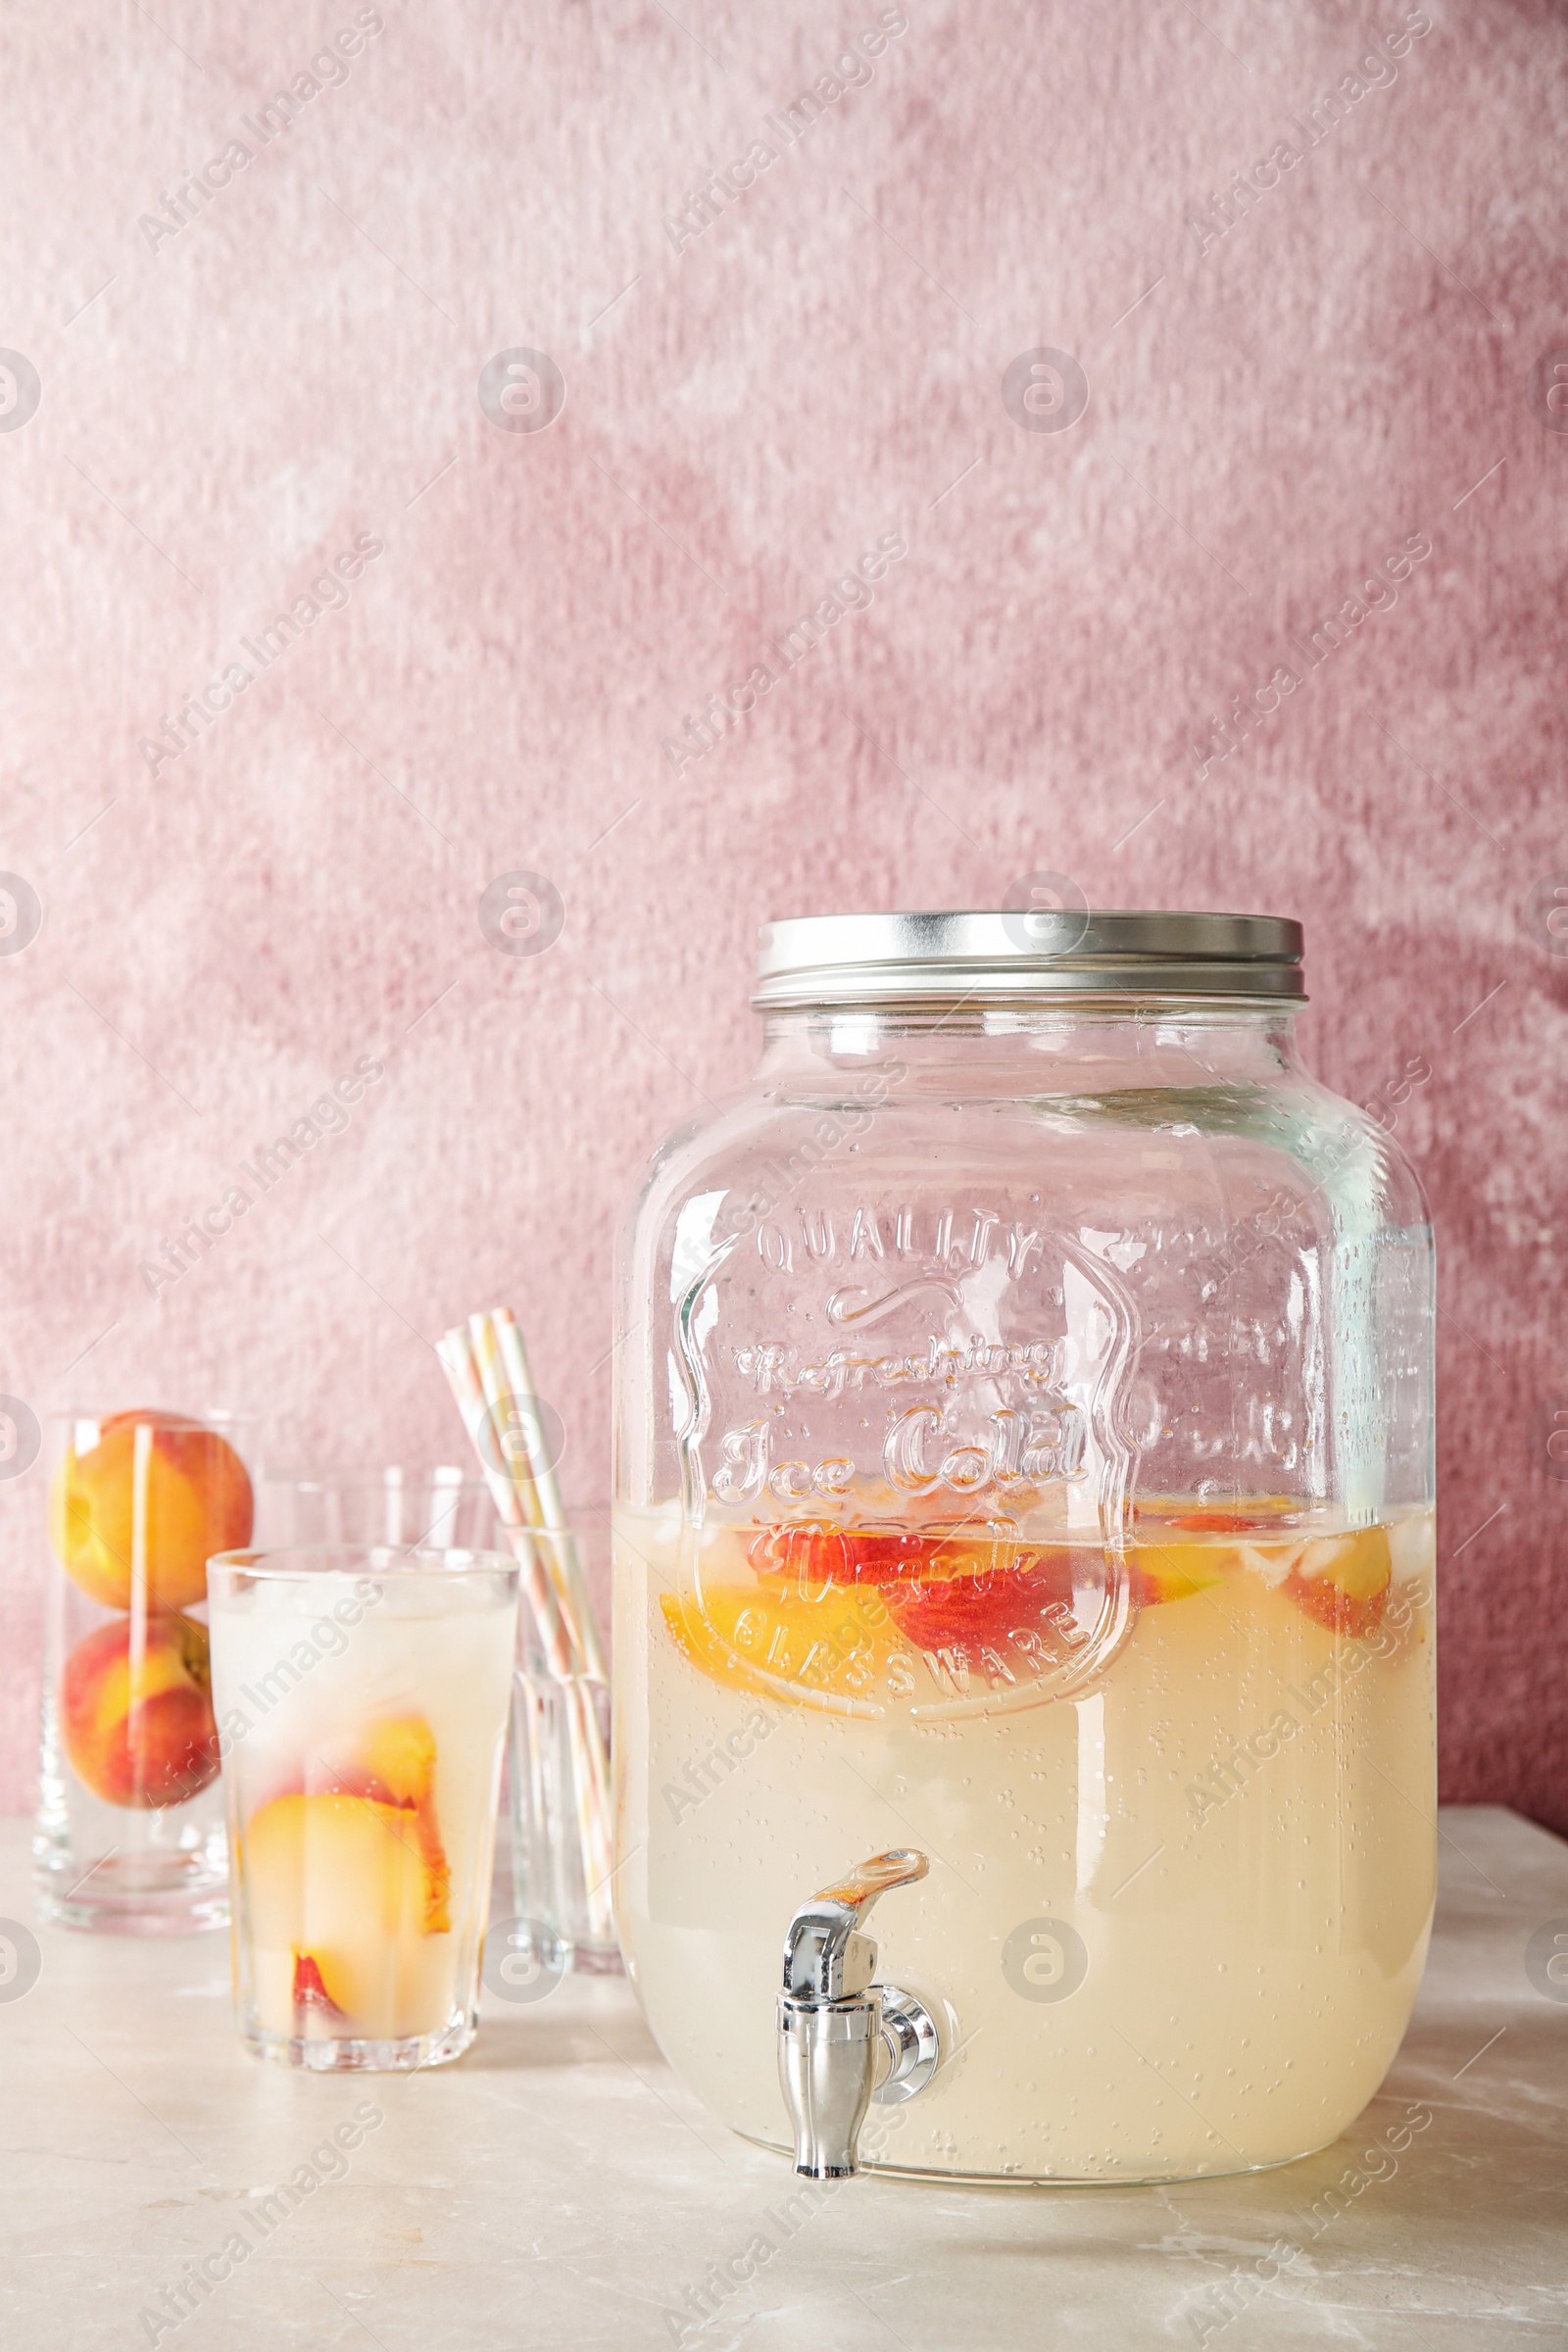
(834, 1608)
(986, 1597)
(1342, 1582)
(756, 1636)
(1339, 1580)
(1169, 1569)
(1180, 1547)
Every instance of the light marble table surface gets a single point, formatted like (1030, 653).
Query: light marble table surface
(559, 2188)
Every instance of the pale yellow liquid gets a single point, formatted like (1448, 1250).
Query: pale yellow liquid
(1254, 1935)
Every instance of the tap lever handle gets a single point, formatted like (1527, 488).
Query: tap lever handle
(859, 1887)
(825, 1957)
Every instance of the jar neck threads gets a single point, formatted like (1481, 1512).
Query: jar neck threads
(1041, 1047)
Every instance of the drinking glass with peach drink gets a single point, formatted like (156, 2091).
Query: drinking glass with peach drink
(362, 1694)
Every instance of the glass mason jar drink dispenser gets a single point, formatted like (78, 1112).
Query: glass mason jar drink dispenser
(1024, 1464)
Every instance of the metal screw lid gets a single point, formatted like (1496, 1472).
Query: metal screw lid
(1019, 956)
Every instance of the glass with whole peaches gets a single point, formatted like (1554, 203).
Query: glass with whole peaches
(129, 1835)
(361, 1694)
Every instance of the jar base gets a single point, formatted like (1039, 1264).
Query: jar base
(958, 2178)
(597, 1960)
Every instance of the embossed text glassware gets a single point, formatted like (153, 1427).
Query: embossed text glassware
(1024, 1464)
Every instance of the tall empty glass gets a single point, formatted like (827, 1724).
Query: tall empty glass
(561, 1868)
(361, 1696)
(428, 1507)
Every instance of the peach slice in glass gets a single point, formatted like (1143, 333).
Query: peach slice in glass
(338, 1898)
(392, 1762)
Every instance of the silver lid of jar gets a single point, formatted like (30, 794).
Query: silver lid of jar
(831, 960)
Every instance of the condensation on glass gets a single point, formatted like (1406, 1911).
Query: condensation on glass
(1025, 1457)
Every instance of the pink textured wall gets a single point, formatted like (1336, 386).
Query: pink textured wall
(751, 405)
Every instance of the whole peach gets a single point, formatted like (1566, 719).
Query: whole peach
(197, 1500)
(138, 1721)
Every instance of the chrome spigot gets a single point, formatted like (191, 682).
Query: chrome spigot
(844, 2041)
